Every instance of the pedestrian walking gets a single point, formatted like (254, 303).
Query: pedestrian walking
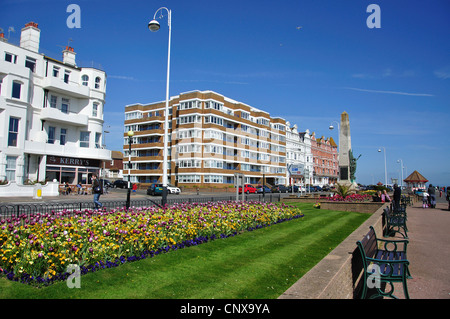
(432, 196)
(424, 200)
(97, 191)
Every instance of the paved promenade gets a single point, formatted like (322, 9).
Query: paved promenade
(429, 251)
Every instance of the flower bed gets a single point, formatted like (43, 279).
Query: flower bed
(349, 198)
(38, 248)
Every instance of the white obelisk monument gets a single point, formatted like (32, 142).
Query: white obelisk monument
(345, 145)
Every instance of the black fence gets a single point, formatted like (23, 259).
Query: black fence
(27, 209)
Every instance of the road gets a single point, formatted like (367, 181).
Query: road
(118, 194)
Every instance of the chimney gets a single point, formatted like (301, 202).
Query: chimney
(29, 38)
(69, 56)
(2, 37)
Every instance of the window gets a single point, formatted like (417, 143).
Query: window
(213, 179)
(133, 115)
(189, 105)
(13, 131)
(188, 148)
(95, 109)
(188, 178)
(189, 119)
(97, 82)
(189, 163)
(66, 76)
(55, 71)
(213, 164)
(51, 134)
(16, 89)
(11, 168)
(53, 100)
(62, 137)
(214, 105)
(9, 57)
(84, 139)
(189, 134)
(97, 139)
(85, 80)
(214, 135)
(245, 115)
(214, 120)
(30, 63)
(65, 105)
(213, 149)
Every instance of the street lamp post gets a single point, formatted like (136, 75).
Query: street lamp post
(154, 26)
(385, 168)
(104, 168)
(130, 141)
(401, 168)
(331, 127)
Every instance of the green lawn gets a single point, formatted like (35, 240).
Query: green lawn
(258, 264)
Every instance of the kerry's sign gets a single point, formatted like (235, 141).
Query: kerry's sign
(59, 160)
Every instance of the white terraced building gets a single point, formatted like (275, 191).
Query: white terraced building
(299, 158)
(52, 114)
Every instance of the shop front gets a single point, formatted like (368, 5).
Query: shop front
(71, 170)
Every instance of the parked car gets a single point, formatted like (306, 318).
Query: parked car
(318, 188)
(326, 188)
(120, 184)
(173, 189)
(297, 189)
(248, 189)
(259, 189)
(155, 189)
(105, 182)
(279, 189)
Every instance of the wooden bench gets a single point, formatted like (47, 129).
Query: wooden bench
(384, 261)
(395, 222)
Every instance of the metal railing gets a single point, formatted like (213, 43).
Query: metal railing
(27, 209)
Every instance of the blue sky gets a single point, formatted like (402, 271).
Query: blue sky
(393, 81)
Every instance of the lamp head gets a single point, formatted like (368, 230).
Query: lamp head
(153, 25)
(379, 150)
(331, 127)
(130, 133)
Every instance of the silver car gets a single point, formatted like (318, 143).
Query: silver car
(173, 189)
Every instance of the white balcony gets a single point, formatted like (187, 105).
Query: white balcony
(70, 89)
(43, 148)
(55, 115)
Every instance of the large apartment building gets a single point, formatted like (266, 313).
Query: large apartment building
(52, 114)
(211, 137)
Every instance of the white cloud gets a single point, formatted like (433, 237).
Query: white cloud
(443, 73)
(388, 92)
(122, 77)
